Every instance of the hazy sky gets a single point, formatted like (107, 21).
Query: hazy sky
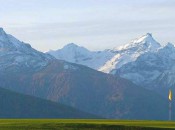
(96, 24)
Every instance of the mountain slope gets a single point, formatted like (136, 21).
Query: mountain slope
(90, 91)
(15, 105)
(78, 86)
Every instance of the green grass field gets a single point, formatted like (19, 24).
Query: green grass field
(68, 124)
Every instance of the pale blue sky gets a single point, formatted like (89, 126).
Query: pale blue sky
(95, 24)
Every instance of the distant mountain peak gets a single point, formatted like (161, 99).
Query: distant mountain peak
(71, 53)
(148, 35)
(74, 48)
(146, 38)
(18, 54)
(169, 45)
(8, 42)
(168, 49)
(71, 45)
(1, 29)
(3, 34)
(145, 42)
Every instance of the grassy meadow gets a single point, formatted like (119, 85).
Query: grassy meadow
(73, 124)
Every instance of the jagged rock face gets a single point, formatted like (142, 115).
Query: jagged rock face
(16, 55)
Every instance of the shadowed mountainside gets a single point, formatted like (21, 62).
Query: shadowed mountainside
(15, 105)
(89, 90)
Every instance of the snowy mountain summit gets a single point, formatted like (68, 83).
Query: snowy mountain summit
(144, 43)
(80, 55)
(143, 61)
(72, 53)
(152, 69)
(130, 52)
(15, 54)
(108, 60)
(10, 43)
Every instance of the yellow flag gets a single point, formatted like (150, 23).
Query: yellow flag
(170, 95)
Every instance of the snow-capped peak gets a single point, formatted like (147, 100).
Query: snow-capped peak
(73, 48)
(3, 35)
(80, 55)
(145, 42)
(169, 45)
(8, 42)
(148, 41)
(145, 38)
(167, 51)
(72, 53)
(130, 52)
(1, 30)
(107, 60)
(16, 54)
(71, 45)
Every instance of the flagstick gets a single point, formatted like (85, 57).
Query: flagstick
(170, 110)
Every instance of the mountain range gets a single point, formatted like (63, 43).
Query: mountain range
(110, 59)
(144, 61)
(28, 71)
